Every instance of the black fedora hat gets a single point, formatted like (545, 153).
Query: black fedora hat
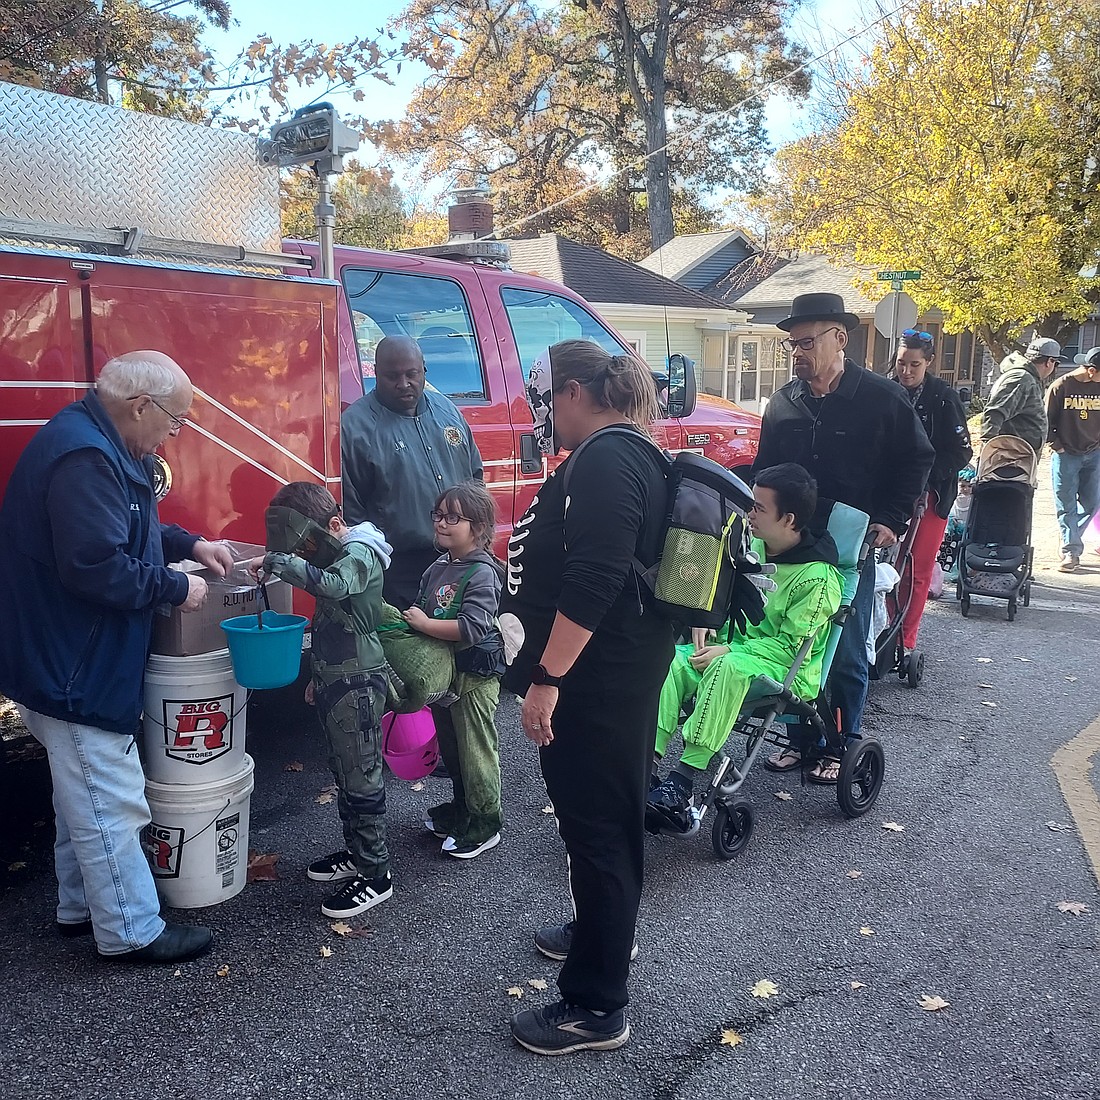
(819, 307)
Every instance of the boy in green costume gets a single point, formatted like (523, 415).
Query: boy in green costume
(718, 674)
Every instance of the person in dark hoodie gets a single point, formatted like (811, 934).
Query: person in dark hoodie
(457, 602)
(718, 673)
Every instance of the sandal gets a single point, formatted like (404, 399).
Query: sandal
(826, 771)
(786, 760)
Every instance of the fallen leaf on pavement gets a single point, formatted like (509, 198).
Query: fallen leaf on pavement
(326, 952)
(1026, 660)
(548, 809)
(893, 826)
(764, 989)
(341, 928)
(783, 796)
(984, 660)
(731, 1038)
(222, 972)
(418, 786)
(294, 766)
(987, 687)
(1074, 907)
(855, 874)
(988, 703)
(856, 985)
(178, 974)
(261, 866)
(1057, 827)
(932, 1004)
(1071, 679)
(536, 983)
(514, 991)
(18, 865)
(865, 931)
(324, 798)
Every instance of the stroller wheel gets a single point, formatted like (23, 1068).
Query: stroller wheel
(862, 769)
(1027, 594)
(733, 824)
(914, 669)
(1012, 609)
(964, 606)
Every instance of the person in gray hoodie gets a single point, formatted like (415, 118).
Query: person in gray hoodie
(457, 602)
(1016, 404)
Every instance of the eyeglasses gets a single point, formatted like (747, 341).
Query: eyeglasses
(451, 519)
(177, 421)
(807, 342)
(913, 334)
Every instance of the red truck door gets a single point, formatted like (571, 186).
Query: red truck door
(261, 353)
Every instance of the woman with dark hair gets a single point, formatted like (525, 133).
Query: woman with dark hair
(590, 668)
(941, 413)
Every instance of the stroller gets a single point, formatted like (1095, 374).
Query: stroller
(995, 557)
(773, 715)
(890, 655)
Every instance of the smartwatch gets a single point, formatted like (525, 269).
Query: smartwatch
(539, 675)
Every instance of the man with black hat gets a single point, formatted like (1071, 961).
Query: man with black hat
(1015, 405)
(1073, 431)
(856, 432)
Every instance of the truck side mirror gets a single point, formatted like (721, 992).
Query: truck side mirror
(682, 391)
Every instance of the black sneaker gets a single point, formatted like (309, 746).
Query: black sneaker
(357, 895)
(673, 794)
(333, 868)
(439, 820)
(469, 849)
(562, 1028)
(554, 941)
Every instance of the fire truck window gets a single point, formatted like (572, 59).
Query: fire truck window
(539, 319)
(432, 311)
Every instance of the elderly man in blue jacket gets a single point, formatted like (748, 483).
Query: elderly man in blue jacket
(82, 569)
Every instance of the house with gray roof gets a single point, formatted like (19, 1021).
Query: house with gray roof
(764, 284)
(654, 315)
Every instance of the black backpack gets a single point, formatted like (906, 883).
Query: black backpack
(704, 541)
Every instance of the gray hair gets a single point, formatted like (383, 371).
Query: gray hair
(138, 372)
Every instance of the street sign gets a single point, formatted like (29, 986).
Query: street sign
(896, 276)
(894, 314)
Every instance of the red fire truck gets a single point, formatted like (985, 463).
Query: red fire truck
(121, 231)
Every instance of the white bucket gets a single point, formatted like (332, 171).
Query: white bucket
(197, 842)
(194, 721)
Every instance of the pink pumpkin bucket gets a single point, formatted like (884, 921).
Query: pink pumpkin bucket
(409, 744)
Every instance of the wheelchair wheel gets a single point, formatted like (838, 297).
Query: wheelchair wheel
(964, 606)
(1027, 594)
(862, 770)
(733, 824)
(914, 669)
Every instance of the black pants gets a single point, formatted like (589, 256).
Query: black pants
(597, 774)
(401, 582)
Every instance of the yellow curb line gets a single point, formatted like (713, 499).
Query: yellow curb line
(1071, 764)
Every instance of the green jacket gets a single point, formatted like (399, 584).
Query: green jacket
(349, 608)
(1016, 405)
(808, 592)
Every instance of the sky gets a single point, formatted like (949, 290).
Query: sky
(818, 24)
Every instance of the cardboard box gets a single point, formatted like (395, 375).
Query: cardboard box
(185, 634)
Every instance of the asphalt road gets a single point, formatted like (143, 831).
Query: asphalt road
(963, 905)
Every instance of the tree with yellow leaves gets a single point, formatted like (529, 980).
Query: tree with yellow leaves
(968, 149)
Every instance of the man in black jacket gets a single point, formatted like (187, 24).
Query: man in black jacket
(858, 436)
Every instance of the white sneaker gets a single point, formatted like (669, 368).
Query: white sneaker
(468, 850)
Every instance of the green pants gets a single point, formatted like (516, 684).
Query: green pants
(351, 725)
(468, 743)
(719, 693)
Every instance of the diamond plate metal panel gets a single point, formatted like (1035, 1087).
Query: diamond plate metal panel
(98, 167)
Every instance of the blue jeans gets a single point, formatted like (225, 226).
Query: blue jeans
(847, 682)
(1077, 491)
(99, 803)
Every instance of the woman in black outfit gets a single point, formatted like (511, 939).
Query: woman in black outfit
(590, 668)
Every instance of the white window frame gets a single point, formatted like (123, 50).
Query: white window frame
(635, 339)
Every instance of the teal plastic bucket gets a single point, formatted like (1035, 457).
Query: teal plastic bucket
(267, 658)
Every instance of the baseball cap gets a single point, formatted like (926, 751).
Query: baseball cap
(1091, 358)
(1043, 348)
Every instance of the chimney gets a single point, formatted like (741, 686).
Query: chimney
(470, 214)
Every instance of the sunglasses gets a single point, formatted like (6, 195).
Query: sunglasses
(451, 519)
(925, 337)
(807, 342)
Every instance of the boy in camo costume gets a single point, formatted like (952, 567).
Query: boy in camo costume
(341, 568)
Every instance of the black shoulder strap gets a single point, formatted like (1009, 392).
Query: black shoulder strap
(615, 429)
